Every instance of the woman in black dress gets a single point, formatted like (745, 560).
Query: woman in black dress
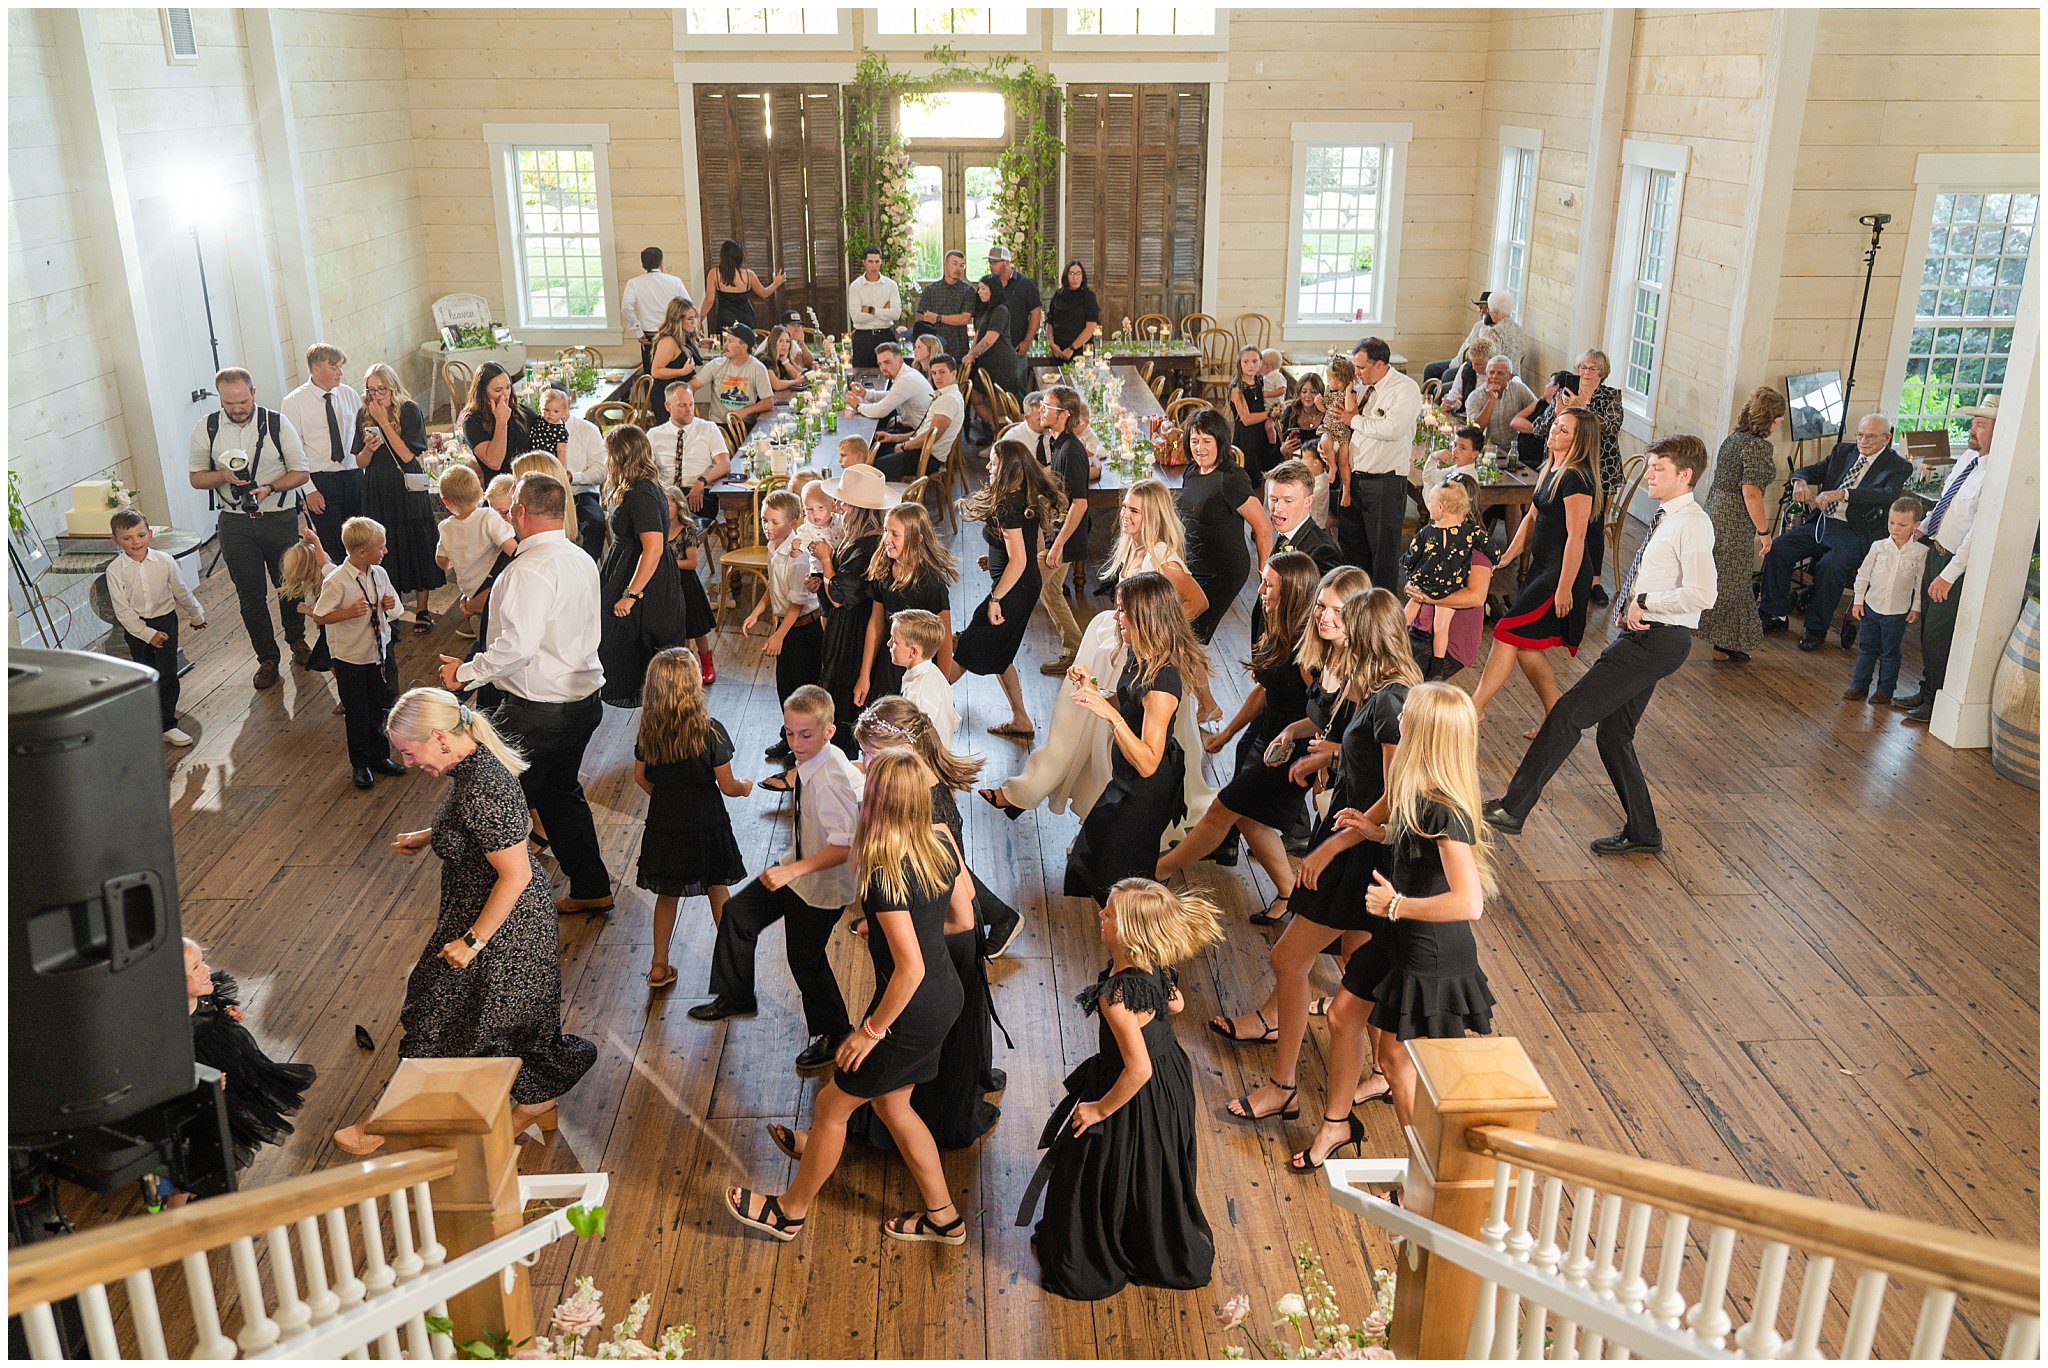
(1073, 317)
(673, 358)
(488, 984)
(1119, 1174)
(391, 433)
(1559, 533)
(1419, 976)
(639, 585)
(1260, 800)
(910, 569)
(911, 881)
(1329, 891)
(1121, 837)
(1217, 499)
(1020, 502)
(846, 594)
(1250, 432)
(495, 424)
(732, 289)
(992, 350)
(261, 1093)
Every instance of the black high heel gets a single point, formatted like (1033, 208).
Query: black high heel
(1301, 1163)
(994, 798)
(1289, 1110)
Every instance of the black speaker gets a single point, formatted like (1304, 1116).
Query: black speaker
(97, 1028)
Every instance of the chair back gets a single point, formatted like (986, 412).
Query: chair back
(924, 453)
(1153, 325)
(1236, 454)
(1615, 515)
(735, 429)
(609, 413)
(580, 356)
(990, 391)
(1157, 384)
(1219, 351)
(1178, 410)
(642, 396)
(460, 378)
(1432, 390)
(1193, 325)
(915, 491)
(1254, 330)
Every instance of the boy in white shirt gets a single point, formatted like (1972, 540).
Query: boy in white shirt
(797, 645)
(149, 598)
(915, 637)
(1887, 598)
(472, 538)
(821, 526)
(1272, 379)
(355, 606)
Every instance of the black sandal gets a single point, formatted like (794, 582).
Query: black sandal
(1386, 1096)
(785, 1140)
(778, 783)
(1267, 916)
(1289, 1110)
(917, 1227)
(771, 1222)
(1227, 1028)
(1354, 1138)
(422, 623)
(994, 798)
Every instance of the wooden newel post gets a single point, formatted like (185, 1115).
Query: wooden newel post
(1475, 1081)
(465, 1105)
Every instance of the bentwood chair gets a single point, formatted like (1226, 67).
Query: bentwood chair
(580, 356)
(642, 397)
(609, 413)
(1432, 390)
(460, 378)
(1616, 514)
(735, 430)
(1180, 410)
(1219, 361)
(748, 560)
(1193, 325)
(1254, 330)
(1157, 384)
(916, 490)
(1153, 325)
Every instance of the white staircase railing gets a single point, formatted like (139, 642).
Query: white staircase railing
(1517, 1245)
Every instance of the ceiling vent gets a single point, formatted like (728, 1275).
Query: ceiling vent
(180, 43)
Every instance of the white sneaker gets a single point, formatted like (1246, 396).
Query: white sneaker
(177, 737)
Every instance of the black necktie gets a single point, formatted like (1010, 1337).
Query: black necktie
(1628, 581)
(796, 825)
(376, 616)
(334, 431)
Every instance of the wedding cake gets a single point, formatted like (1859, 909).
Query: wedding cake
(93, 506)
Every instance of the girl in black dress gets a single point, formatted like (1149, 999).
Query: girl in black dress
(732, 287)
(912, 882)
(1217, 499)
(993, 351)
(673, 357)
(1020, 502)
(1260, 800)
(910, 569)
(1419, 975)
(1251, 427)
(845, 593)
(1119, 1174)
(682, 761)
(1558, 531)
(1073, 317)
(1329, 890)
(1121, 837)
(390, 435)
(639, 585)
(261, 1093)
(686, 549)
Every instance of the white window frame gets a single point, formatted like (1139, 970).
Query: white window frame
(1394, 137)
(688, 41)
(1063, 40)
(1507, 207)
(1948, 173)
(500, 139)
(1030, 40)
(1639, 160)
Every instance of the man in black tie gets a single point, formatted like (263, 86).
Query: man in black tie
(325, 412)
(1852, 489)
(1290, 499)
(1670, 582)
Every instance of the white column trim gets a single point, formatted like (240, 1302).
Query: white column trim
(284, 178)
(1603, 177)
(1212, 188)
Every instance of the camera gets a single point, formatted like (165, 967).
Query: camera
(237, 463)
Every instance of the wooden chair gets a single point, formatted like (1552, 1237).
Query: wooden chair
(1431, 389)
(460, 378)
(1178, 410)
(642, 397)
(1153, 324)
(736, 431)
(1157, 384)
(993, 394)
(915, 491)
(748, 560)
(1167, 401)
(580, 356)
(1195, 324)
(1616, 513)
(1219, 361)
(1254, 330)
(609, 413)
(1237, 455)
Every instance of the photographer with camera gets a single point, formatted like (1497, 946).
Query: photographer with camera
(249, 460)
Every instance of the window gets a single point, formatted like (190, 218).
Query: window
(1344, 241)
(1645, 252)
(777, 20)
(953, 114)
(1969, 295)
(1149, 21)
(1514, 207)
(554, 224)
(984, 20)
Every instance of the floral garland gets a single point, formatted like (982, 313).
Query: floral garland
(1310, 1325)
(894, 208)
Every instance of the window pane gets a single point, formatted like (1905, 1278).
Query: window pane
(953, 114)
(557, 229)
(916, 19)
(1339, 233)
(1142, 20)
(772, 19)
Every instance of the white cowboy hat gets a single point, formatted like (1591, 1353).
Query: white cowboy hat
(1987, 409)
(862, 486)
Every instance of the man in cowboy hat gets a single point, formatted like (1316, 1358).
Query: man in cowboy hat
(1947, 534)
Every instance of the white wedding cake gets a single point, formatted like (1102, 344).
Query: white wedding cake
(93, 506)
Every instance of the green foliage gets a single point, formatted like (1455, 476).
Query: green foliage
(17, 512)
(587, 1222)
(479, 336)
(880, 204)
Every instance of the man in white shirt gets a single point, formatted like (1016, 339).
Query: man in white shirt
(901, 407)
(1372, 486)
(873, 304)
(690, 452)
(736, 384)
(900, 460)
(585, 465)
(1029, 428)
(542, 660)
(324, 411)
(647, 297)
(1947, 535)
(258, 519)
(1671, 581)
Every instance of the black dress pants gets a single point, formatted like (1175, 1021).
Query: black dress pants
(343, 491)
(1611, 697)
(553, 737)
(590, 524)
(1369, 530)
(805, 930)
(164, 660)
(253, 546)
(865, 340)
(367, 693)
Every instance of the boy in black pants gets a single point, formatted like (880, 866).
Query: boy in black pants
(355, 606)
(149, 598)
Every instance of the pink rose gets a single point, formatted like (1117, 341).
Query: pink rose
(1232, 1313)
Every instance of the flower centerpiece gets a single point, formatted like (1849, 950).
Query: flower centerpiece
(1309, 1324)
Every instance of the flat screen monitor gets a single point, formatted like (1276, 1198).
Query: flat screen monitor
(1815, 400)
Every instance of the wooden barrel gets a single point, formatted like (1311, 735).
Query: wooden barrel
(2016, 702)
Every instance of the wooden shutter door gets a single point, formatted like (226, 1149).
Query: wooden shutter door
(768, 162)
(1137, 161)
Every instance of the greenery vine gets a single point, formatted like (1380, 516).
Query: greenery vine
(879, 203)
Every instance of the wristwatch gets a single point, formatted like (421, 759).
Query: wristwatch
(469, 939)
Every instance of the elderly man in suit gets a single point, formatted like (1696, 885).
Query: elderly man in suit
(1852, 489)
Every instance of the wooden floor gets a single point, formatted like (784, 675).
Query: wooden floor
(1828, 983)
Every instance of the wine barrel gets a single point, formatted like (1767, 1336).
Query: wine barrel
(2016, 702)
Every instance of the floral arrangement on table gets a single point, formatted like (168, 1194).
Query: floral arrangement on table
(481, 335)
(1313, 1321)
(1434, 429)
(1129, 341)
(1124, 442)
(444, 449)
